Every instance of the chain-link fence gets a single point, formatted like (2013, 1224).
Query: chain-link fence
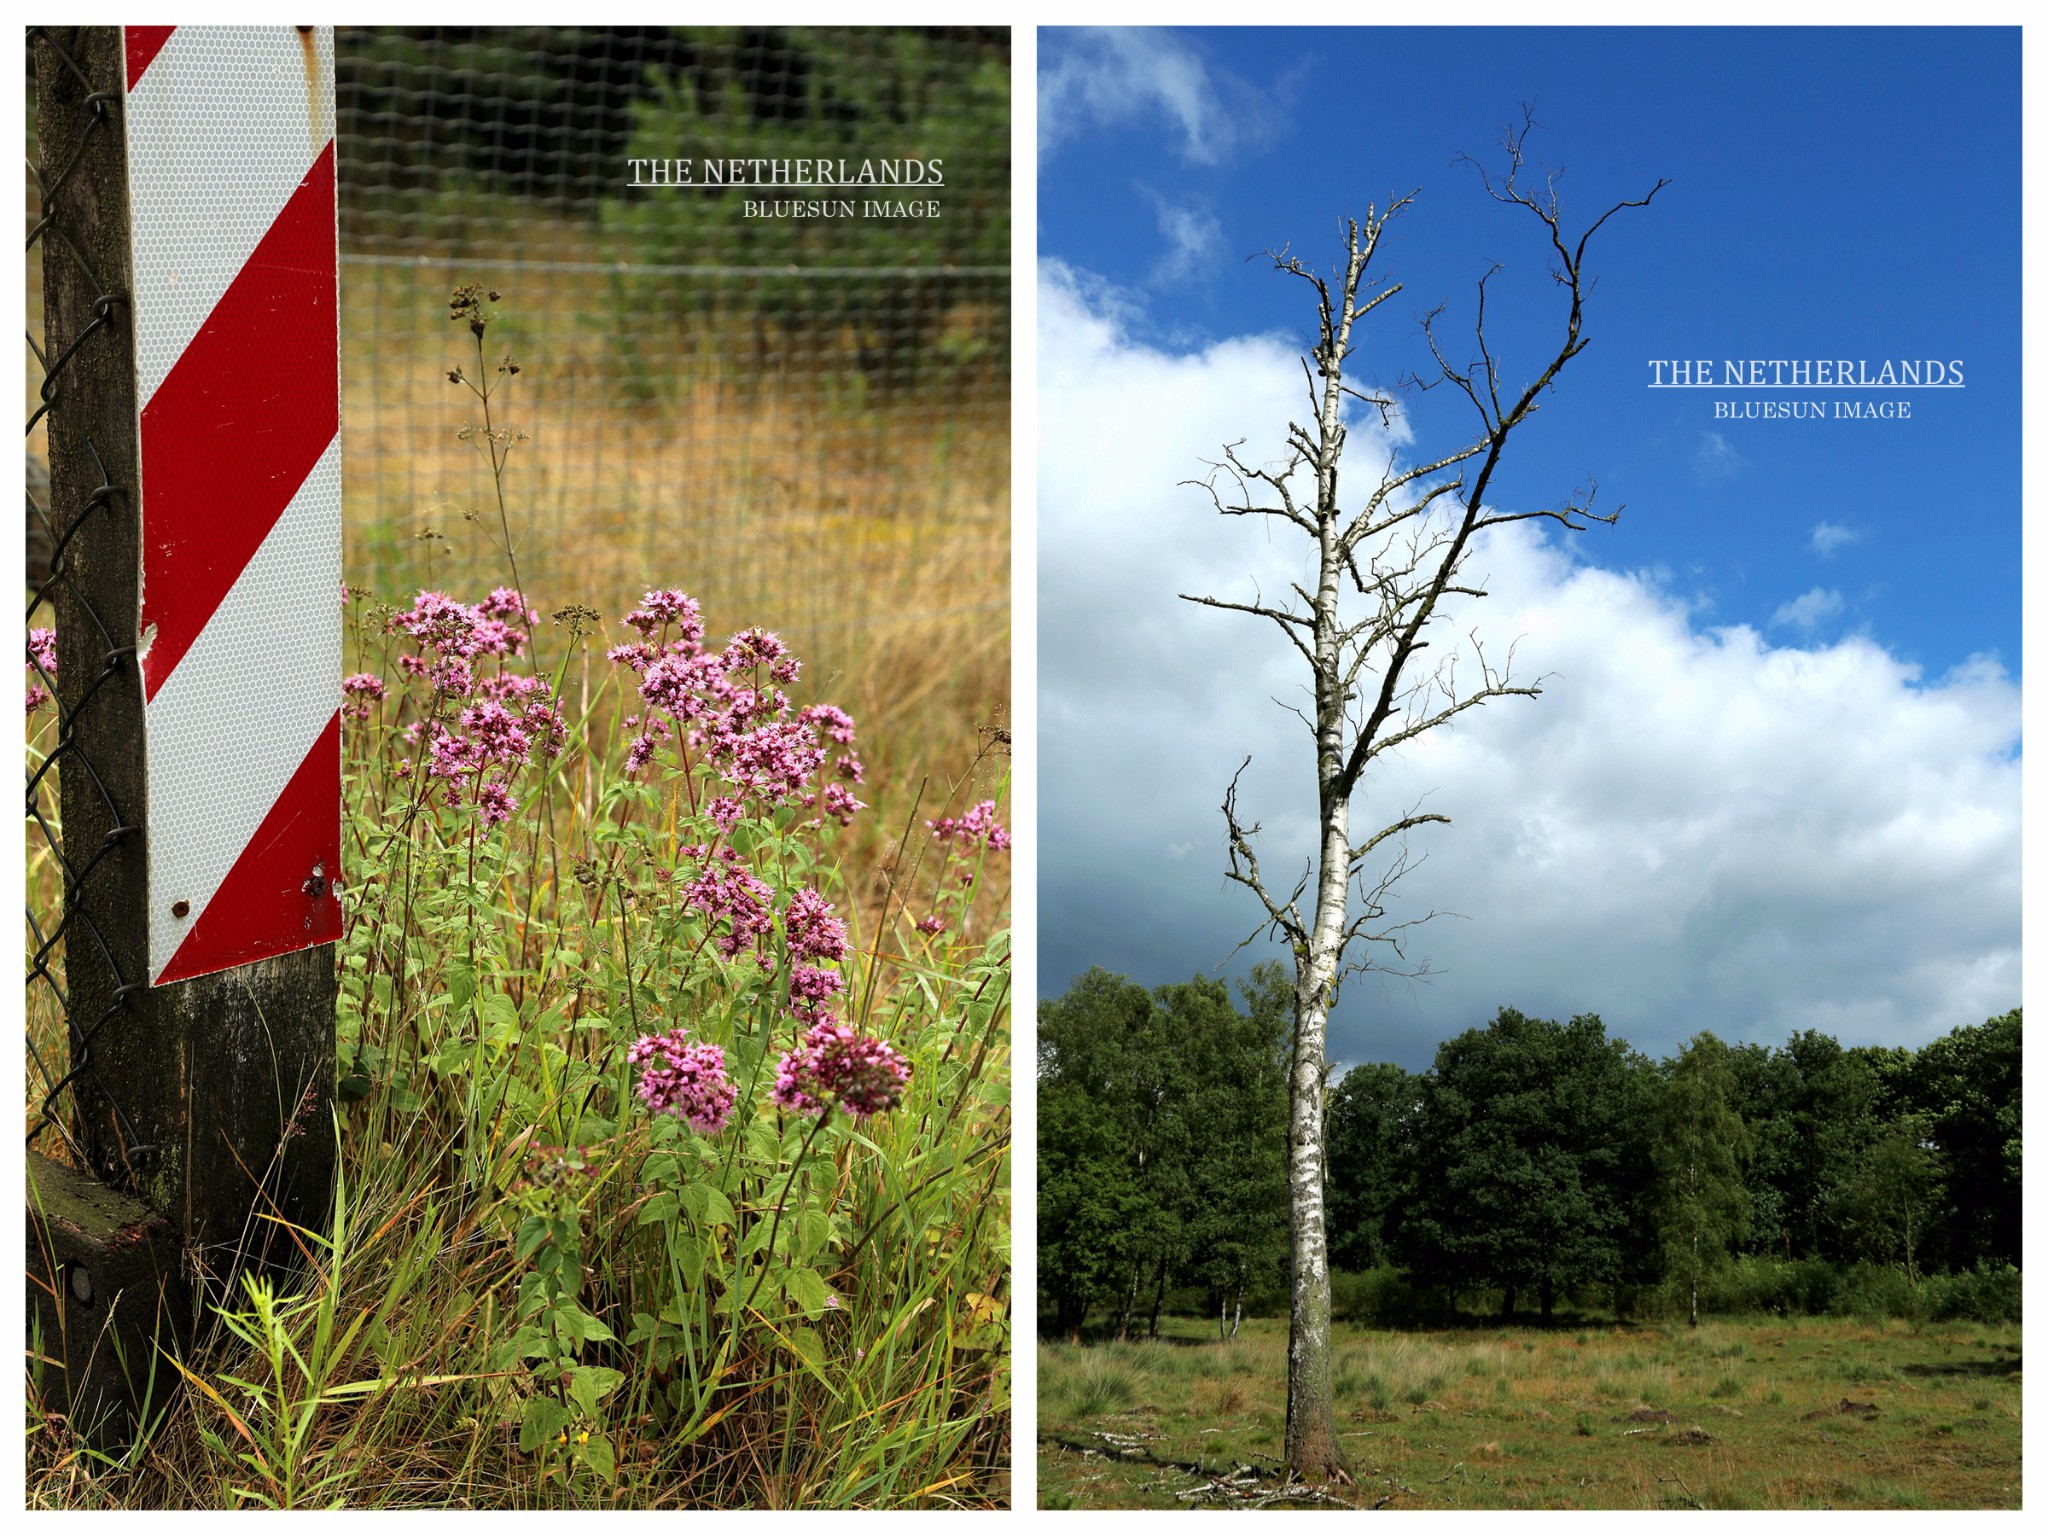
(79, 980)
(803, 420)
(800, 413)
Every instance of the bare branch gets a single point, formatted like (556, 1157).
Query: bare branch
(1288, 622)
(1244, 868)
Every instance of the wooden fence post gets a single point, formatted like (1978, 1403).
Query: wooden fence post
(178, 360)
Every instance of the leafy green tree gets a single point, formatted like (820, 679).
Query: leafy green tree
(1373, 1123)
(1234, 1221)
(1765, 1089)
(1092, 1200)
(1532, 1160)
(1897, 1183)
(1161, 1151)
(1700, 1149)
(1817, 1109)
(1967, 1086)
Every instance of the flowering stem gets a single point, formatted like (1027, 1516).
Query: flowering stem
(626, 950)
(498, 485)
(867, 1001)
(775, 1227)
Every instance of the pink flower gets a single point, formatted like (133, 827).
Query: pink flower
(42, 661)
(931, 925)
(977, 826)
(504, 603)
(495, 803)
(813, 932)
(837, 722)
(359, 693)
(811, 987)
(687, 1081)
(833, 1064)
(752, 647)
(729, 890)
(659, 610)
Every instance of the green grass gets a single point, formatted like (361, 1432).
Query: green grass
(1738, 1414)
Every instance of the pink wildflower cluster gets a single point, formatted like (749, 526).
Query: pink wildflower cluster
(684, 1080)
(977, 829)
(501, 719)
(42, 653)
(360, 693)
(726, 889)
(813, 934)
(833, 1064)
(729, 705)
(978, 826)
(454, 636)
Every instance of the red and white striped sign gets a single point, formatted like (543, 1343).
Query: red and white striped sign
(237, 356)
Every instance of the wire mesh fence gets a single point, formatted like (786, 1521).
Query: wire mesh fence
(803, 417)
(79, 986)
(774, 372)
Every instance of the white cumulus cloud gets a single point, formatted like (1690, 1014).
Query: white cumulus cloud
(1693, 827)
(1830, 537)
(1808, 609)
(1192, 239)
(1097, 76)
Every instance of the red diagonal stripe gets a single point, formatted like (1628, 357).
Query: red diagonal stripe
(272, 902)
(143, 44)
(238, 423)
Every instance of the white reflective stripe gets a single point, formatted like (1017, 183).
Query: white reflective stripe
(230, 726)
(222, 128)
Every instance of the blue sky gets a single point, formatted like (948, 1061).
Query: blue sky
(1833, 194)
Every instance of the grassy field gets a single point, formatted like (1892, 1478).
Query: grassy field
(1755, 1414)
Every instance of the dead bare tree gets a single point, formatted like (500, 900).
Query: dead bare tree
(1402, 552)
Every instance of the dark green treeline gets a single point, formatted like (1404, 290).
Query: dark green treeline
(1534, 1164)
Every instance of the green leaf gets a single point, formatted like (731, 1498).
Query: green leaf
(814, 1230)
(598, 1455)
(806, 1287)
(689, 1252)
(718, 1210)
(544, 1419)
(589, 1384)
(532, 1233)
(659, 1209)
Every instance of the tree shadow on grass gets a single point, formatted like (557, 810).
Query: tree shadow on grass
(1963, 1368)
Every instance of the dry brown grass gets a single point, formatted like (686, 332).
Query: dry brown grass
(874, 537)
(1739, 1414)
